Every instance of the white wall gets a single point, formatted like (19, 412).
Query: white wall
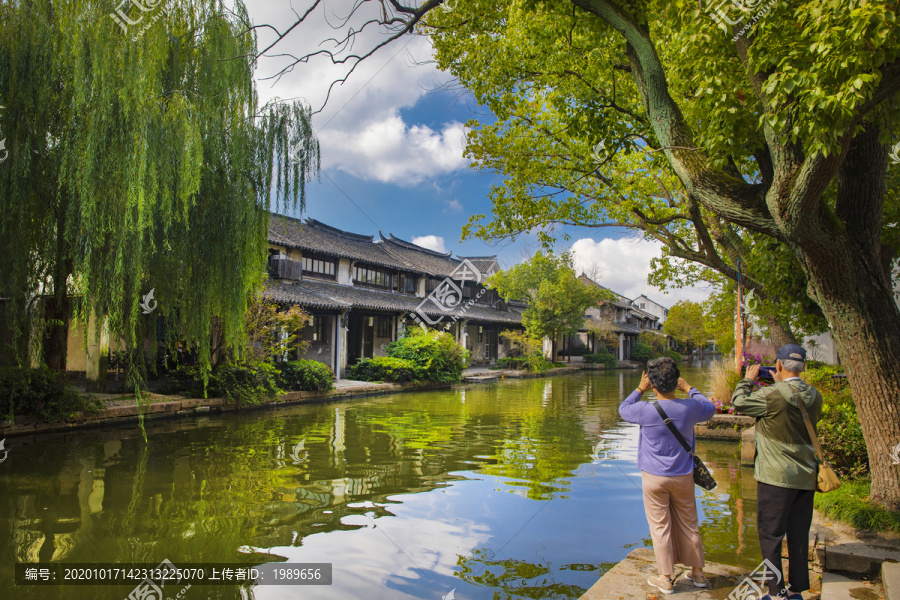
(821, 347)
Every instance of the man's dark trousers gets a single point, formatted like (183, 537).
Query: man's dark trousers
(781, 511)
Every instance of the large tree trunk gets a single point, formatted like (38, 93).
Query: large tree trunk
(779, 333)
(848, 281)
(58, 309)
(866, 328)
(56, 337)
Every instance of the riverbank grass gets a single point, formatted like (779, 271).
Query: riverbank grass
(850, 504)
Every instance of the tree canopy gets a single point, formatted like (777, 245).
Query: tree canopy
(137, 163)
(557, 299)
(686, 323)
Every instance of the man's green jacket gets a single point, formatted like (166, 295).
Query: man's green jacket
(785, 456)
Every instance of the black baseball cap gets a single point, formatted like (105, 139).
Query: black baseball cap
(791, 352)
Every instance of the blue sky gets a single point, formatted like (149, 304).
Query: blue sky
(392, 145)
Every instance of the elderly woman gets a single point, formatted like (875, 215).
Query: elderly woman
(667, 470)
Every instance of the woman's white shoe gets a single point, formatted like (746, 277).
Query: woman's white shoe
(699, 581)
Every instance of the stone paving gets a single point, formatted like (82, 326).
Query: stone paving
(628, 581)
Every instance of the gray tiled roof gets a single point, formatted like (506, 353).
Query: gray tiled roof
(318, 237)
(299, 293)
(618, 328)
(626, 328)
(643, 313)
(332, 296)
(622, 302)
(433, 263)
(482, 263)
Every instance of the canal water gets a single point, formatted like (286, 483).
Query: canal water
(516, 489)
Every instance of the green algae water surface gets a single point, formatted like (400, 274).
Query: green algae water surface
(515, 489)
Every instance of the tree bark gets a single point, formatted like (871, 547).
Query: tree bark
(58, 308)
(779, 333)
(56, 337)
(848, 281)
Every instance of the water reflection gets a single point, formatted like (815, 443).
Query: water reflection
(492, 490)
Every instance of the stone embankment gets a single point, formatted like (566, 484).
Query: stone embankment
(157, 406)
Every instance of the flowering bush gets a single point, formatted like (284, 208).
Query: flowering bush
(723, 408)
(756, 359)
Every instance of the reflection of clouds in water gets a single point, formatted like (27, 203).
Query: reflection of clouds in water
(383, 558)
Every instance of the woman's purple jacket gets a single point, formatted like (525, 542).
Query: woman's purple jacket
(659, 453)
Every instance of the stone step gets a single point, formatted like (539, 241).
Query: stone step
(890, 580)
(858, 558)
(839, 587)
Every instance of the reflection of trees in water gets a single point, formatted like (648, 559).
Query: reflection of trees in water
(203, 489)
(512, 578)
(729, 537)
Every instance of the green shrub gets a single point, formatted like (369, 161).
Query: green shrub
(841, 434)
(239, 382)
(306, 375)
(41, 393)
(436, 354)
(602, 358)
(532, 362)
(244, 383)
(185, 380)
(386, 368)
(839, 430)
(513, 362)
(641, 352)
(850, 503)
(820, 377)
(672, 354)
(527, 351)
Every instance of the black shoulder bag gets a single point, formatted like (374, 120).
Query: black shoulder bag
(702, 476)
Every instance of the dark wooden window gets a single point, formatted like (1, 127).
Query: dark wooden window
(384, 327)
(281, 267)
(431, 284)
(320, 329)
(318, 267)
(373, 276)
(407, 284)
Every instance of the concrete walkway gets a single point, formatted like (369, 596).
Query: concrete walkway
(628, 581)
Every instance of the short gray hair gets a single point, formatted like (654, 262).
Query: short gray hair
(794, 366)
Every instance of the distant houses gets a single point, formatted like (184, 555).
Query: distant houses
(626, 320)
(363, 291)
(654, 308)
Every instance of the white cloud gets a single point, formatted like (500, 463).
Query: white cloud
(454, 206)
(623, 266)
(432, 242)
(390, 151)
(360, 129)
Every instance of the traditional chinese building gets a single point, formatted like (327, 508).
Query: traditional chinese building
(363, 291)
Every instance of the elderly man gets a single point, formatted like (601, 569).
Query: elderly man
(785, 466)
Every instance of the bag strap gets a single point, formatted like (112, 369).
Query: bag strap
(809, 425)
(672, 427)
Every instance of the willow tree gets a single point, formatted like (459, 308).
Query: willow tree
(139, 160)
